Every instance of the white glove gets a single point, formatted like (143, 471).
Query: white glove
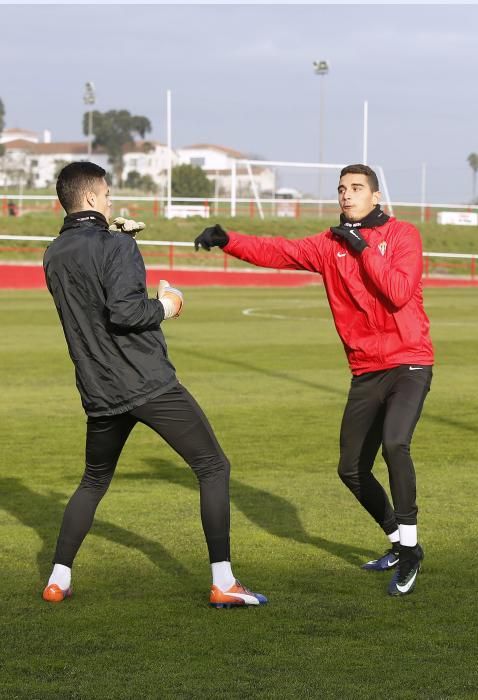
(126, 226)
(171, 298)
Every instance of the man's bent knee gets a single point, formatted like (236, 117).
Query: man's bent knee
(347, 473)
(395, 449)
(211, 468)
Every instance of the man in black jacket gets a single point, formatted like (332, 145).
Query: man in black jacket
(124, 375)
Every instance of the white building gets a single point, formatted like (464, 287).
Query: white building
(149, 158)
(34, 163)
(39, 163)
(217, 162)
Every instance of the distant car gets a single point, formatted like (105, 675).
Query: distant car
(287, 204)
(287, 193)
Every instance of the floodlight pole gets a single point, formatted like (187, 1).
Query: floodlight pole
(233, 186)
(90, 132)
(321, 68)
(89, 99)
(423, 192)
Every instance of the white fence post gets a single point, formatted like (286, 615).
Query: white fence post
(233, 187)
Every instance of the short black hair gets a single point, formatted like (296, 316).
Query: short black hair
(74, 181)
(361, 169)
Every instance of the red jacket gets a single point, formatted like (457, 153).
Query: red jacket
(375, 297)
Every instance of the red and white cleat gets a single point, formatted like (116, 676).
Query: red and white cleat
(54, 594)
(236, 596)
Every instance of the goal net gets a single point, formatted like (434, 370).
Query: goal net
(288, 188)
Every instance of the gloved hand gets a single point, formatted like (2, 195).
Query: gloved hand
(126, 226)
(351, 235)
(171, 298)
(210, 237)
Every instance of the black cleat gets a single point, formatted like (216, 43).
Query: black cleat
(405, 577)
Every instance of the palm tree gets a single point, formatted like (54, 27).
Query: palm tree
(2, 124)
(473, 162)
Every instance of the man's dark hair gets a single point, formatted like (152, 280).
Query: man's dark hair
(74, 181)
(360, 169)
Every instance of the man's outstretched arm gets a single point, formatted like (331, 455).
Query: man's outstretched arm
(278, 253)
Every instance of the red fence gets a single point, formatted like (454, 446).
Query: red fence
(183, 265)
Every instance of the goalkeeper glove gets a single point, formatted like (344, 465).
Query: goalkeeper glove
(351, 236)
(210, 237)
(171, 298)
(126, 226)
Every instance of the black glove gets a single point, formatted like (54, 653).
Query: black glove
(351, 235)
(214, 235)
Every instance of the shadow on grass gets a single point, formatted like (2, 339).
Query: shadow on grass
(269, 512)
(283, 376)
(43, 513)
(450, 422)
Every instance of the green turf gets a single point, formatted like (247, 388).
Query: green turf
(274, 386)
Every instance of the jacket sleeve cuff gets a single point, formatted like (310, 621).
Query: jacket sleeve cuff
(233, 237)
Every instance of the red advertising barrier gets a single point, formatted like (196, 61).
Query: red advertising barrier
(22, 277)
(30, 276)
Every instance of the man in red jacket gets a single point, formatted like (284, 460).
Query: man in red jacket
(371, 267)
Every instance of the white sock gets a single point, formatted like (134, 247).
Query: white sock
(222, 575)
(408, 535)
(394, 536)
(61, 575)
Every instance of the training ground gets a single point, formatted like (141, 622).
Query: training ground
(269, 370)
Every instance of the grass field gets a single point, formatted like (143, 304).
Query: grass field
(274, 385)
(436, 238)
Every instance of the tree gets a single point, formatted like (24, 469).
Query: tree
(190, 181)
(133, 180)
(136, 181)
(473, 162)
(2, 125)
(113, 130)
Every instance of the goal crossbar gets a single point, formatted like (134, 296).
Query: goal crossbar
(292, 164)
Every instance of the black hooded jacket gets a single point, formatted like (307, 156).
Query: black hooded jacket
(113, 331)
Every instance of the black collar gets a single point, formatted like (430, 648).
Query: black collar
(78, 218)
(375, 218)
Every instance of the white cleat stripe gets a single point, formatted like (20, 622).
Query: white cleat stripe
(408, 585)
(249, 599)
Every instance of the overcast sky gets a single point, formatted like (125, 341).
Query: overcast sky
(242, 76)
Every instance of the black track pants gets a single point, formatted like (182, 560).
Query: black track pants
(383, 408)
(179, 420)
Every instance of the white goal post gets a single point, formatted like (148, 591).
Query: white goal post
(249, 164)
